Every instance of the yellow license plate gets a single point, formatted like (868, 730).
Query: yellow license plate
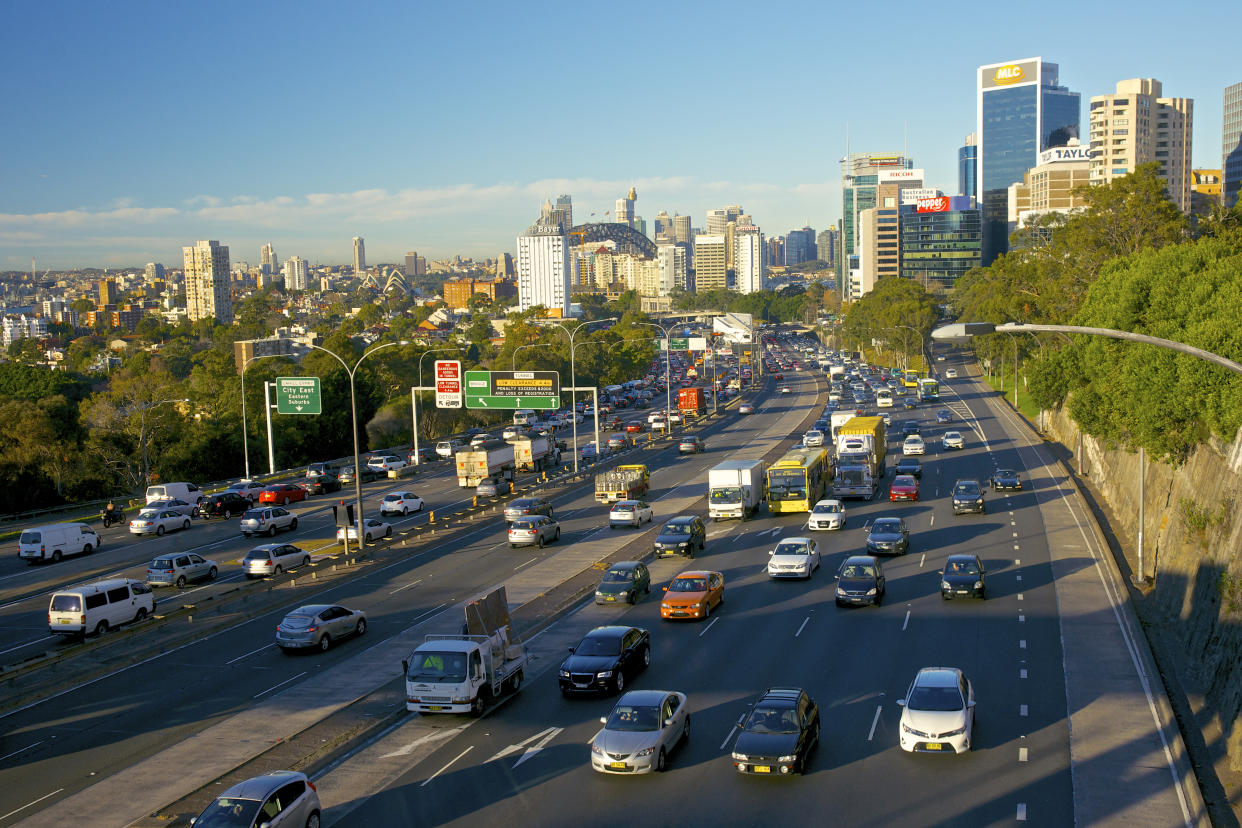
(64, 621)
(763, 768)
(620, 765)
(934, 746)
(610, 598)
(435, 707)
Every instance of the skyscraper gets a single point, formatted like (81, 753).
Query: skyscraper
(625, 208)
(543, 267)
(267, 258)
(297, 273)
(710, 271)
(718, 220)
(860, 181)
(1231, 145)
(565, 206)
(750, 259)
(1021, 111)
(940, 238)
(1135, 125)
(968, 167)
(108, 293)
(664, 227)
(799, 246)
(207, 282)
(826, 245)
(155, 271)
(360, 256)
(671, 261)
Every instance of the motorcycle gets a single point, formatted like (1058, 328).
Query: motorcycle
(115, 516)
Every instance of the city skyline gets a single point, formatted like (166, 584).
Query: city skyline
(104, 167)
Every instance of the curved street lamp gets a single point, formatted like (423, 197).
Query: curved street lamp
(573, 377)
(668, 374)
(245, 447)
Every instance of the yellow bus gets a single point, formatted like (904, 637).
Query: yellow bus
(798, 479)
(910, 379)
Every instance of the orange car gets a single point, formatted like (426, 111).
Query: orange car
(693, 594)
(282, 493)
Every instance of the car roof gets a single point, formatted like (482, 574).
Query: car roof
(794, 540)
(966, 480)
(861, 559)
(938, 677)
(696, 573)
(610, 631)
(828, 500)
(681, 519)
(260, 787)
(625, 503)
(310, 609)
(963, 556)
(785, 695)
(626, 565)
(644, 698)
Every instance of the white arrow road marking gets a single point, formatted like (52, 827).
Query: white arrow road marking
(433, 736)
(543, 737)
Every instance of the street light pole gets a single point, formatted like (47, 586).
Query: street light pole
(245, 447)
(573, 379)
(418, 460)
(668, 375)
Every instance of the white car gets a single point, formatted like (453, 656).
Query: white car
(793, 558)
(386, 462)
(827, 514)
(371, 529)
(654, 416)
(674, 417)
(248, 489)
(643, 728)
(785, 389)
(630, 513)
(951, 373)
(447, 448)
(938, 712)
(913, 445)
(158, 522)
(952, 440)
(658, 424)
(400, 503)
(814, 437)
(177, 505)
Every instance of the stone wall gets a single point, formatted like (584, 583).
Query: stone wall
(1192, 544)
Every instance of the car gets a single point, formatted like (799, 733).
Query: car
(780, 377)
(813, 438)
(316, 626)
(480, 439)
(860, 581)
(426, 454)
(400, 503)
(316, 469)
(887, 418)
(658, 424)
(273, 559)
(968, 497)
(909, 404)
(675, 417)
(468, 434)
(158, 522)
(623, 581)
(786, 390)
(630, 513)
(175, 504)
(963, 576)
(604, 659)
(493, 487)
(937, 712)
(282, 493)
(951, 373)
(1006, 480)
(692, 594)
(822, 425)
(654, 416)
(372, 528)
(284, 798)
(952, 440)
(913, 445)
(589, 452)
(535, 530)
(224, 504)
(691, 445)
(779, 734)
(793, 558)
(910, 427)
(386, 462)
(178, 568)
(939, 357)
(447, 448)
(526, 507)
(682, 535)
(635, 427)
(617, 441)
(321, 484)
(249, 489)
(944, 415)
(555, 421)
(909, 465)
(366, 475)
(903, 487)
(888, 536)
(641, 731)
(827, 514)
(267, 520)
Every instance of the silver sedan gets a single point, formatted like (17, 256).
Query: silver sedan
(318, 625)
(158, 522)
(644, 727)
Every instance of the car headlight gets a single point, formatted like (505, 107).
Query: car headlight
(625, 593)
(871, 591)
(604, 674)
(645, 752)
(840, 591)
(787, 758)
(564, 673)
(741, 757)
(596, 749)
(945, 585)
(665, 606)
(978, 584)
(682, 545)
(957, 732)
(905, 728)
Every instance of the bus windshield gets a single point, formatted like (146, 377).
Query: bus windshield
(786, 484)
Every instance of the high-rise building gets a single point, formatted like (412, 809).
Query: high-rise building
(108, 293)
(799, 246)
(504, 266)
(415, 265)
(565, 207)
(682, 233)
(940, 240)
(1204, 190)
(155, 271)
(207, 294)
(718, 220)
(968, 167)
(879, 248)
(267, 259)
(750, 259)
(710, 257)
(625, 208)
(776, 251)
(543, 266)
(1051, 185)
(1136, 125)
(664, 227)
(826, 245)
(1021, 110)
(1231, 146)
(860, 179)
(671, 261)
(360, 256)
(297, 273)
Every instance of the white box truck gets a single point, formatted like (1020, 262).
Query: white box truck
(735, 489)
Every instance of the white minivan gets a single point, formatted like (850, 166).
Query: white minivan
(99, 607)
(181, 491)
(56, 541)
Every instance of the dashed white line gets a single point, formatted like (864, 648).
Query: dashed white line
(1022, 644)
(23, 750)
(1018, 577)
(800, 629)
(1017, 561)
(708, 627)
(407, 586)
(905, 622)
(1022, 673)
(252, 652)
(1021, 812)
(1023, 710)
(1021, 619)
(446, 767)
(875, 721)
(528, 563)
(1022, 755)
(282, 684)
(1019, 596)
(922, 558)
(728, 737)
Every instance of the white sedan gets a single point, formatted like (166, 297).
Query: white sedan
(400, 503)
(371, 529)
(812, 438)
(827, 514)
(938, 712)
(913, 445)
(952, 440)
(158, 522)
(793, 558)
(951, 373)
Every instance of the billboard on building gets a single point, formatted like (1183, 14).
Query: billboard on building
(899, 175)
(1058, 155)
(912, 195)
(1009, 74)
(942, 204)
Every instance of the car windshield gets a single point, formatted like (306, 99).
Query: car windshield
(773, 720)
(625, 575)
(432, 666)
(935, 698)
(886, 527)
(676, 529)
(1007, 473)
(598, 646)
(726, 494)
(826, 509)
(688, 585)
(966, 489)
(791, 549)
(961, 568)
(229, 812)
(392, 497)
(858, 571)
(631, 718)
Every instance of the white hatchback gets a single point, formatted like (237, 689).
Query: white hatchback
(938, 712)
(913, 445)
(400, 503)
(814, 437)
(793, 558)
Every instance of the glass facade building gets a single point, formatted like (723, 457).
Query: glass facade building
(939, 247)
(1231, 145)
(968, 168)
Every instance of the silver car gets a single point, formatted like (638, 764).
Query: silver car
(533, 531)
(177, 569)
(273, 559)
(166, 503)
(630, 513)
(643, 728)
(267, 520)
(318, 625)
(158, 522)
(281, 799)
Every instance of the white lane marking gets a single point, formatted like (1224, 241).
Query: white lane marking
(804, 620)
(23, 750)
(875, 721)
(1022, 754)
(446, 767)
(1023, 710)
(1022, 644)
(1021, 618)
(534, 749)
(933, 520)
(528, 563)
(43, 640)
(1019, 596)
(1017, 562)
(728, 737)
(1018, 577)
(922, 558)
(282, 684)
(708, 627)
(28, 804)
(407, 586)
(1021, 812)
(434, 736)
(1022, 673)
(907, 621)
(246, 655)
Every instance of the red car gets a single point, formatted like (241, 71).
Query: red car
(634, 428)
(905, 487)
(282, 493)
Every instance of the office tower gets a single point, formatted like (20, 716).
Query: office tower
(543, 267)
(1136, 125)
(1050, 185)
(710, 257)
(860, 178)
(664, 228)
(968, 167)
(360, 256)
(776, 251)
(1204, 190)
(625, 208)
(879, 248)
(799, 246)
(1021, 111)
(415, 265)
(297, 273)
(267, 258)
(718, 220)
(207, 294)
(941, 240)
(565, 207)
(671, 262)
(826, 245)
(1231, 146)
(504, 266)
(108, 293)
(681, 229)
(155, 271)
(750, 259)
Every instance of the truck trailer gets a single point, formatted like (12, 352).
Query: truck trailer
(488, 459)
(532, 454)
(622, 483)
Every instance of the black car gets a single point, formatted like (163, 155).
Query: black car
(779, 734)
(910, 465)
(910, 427)
(888, 536)
(860, 581)
(426, 454)
(962, 577)
(682, 535)
(624, 581)
(321, 484)
(604, 659)
(1006, 480)
(527, 507)
(365, 476)
(224, 504)
(967, 497)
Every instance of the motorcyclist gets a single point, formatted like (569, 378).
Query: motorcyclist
(110, 513)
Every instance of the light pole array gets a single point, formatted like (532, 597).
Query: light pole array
(573, 378)
(668, 374)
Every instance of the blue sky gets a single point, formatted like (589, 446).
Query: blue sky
(133, 128)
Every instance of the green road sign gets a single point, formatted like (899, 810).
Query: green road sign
(513, 389)
(298, 395)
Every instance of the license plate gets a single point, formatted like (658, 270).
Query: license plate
(611, 598)
(435, 707)
(763, 768)
(934, 746)
(963, 592)
(618, 765)
(64, 621)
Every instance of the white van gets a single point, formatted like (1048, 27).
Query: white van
(523, 416)
(55, 541)
(181, 491)
(99, 607)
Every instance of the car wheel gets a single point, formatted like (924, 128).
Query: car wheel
(983, 594)
(211, 574)
(88, 549)
(557, 536)
(325, 643)
(196, 513)
(279, 569)
(101, 628)
(618, 682)
(707, 610)
(180, 582)
(159, 530)
(660, 761)
(186, 524)
(293, 524)
(306, 560)
(271, 531)
(541, 541)
(515, 682)
(388, 532)
(646, 657)
(312, 821)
